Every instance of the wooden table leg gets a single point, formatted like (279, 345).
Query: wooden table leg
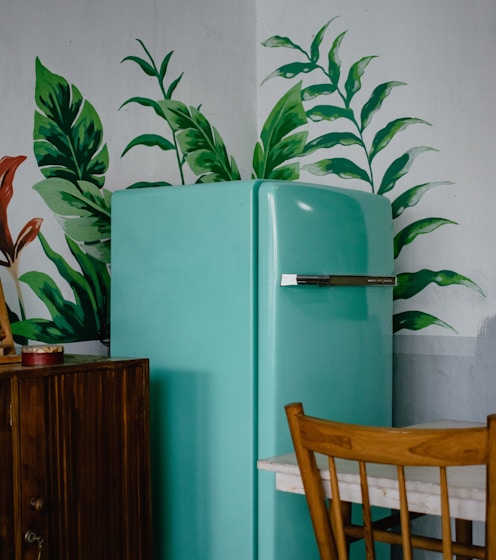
(463, 532)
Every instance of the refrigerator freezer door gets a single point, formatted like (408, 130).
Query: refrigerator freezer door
(329, 347)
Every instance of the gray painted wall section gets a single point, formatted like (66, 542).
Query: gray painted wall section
(445, 376)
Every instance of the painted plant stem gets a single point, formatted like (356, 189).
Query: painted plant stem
(152, 70)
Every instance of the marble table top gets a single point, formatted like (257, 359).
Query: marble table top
(467, 485)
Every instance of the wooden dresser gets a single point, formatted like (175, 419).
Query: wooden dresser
(75, 460)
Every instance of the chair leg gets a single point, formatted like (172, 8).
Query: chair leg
(463, 532)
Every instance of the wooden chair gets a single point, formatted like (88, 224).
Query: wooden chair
(402, 448)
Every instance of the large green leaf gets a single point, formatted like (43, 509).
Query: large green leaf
(68, 135)
(277, 142)
(417, 320)
(95, 291)
(400, 167)
(375, 101)
(411, 231)
(83, 211)
(200, 143)
(409, 284)
(412, 196)
(286, 149)
(42, 330)
(66, 315)
(287, 172)
(85, 318)
(384, 136)
(342, 167)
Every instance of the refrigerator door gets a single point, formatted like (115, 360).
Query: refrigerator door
(183, 293)
(321, 341)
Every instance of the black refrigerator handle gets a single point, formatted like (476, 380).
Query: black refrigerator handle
(336, 280)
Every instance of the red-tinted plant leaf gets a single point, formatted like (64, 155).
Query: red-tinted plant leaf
(28, 233)
(8, 167)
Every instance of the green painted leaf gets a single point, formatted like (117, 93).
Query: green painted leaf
(147, 68)
(317, 41)
(82, 211)
(413, 230)
(399, 168)
(384, 136)
(334, 62)
(286, 116)
(200, 143)
(375, 101)
(417, 320)
(65, 199)
(149, 140)
(314, 91)
(73, 278)
(291, 70)
(332, 139)
(412, 196)
(94, 295)
(164, 65)
(288, 172)
(409, 284)
(65, 314)
(84, 319)
(258, 161)
(68, 134)
(342, 167)
(353, 82)
(329, 113)
(146, 102)
(147, 185)
(172, 88)
(287, 148)
(41, 330)
(278, 41)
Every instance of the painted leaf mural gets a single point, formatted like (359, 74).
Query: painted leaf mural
(71, 155)
(67, 133)
(340, 87)
(325, 97)
(278, 140)
(194, 141)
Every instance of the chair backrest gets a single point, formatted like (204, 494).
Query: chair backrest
(400, 447)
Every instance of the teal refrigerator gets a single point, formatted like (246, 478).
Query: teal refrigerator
(245, 296)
